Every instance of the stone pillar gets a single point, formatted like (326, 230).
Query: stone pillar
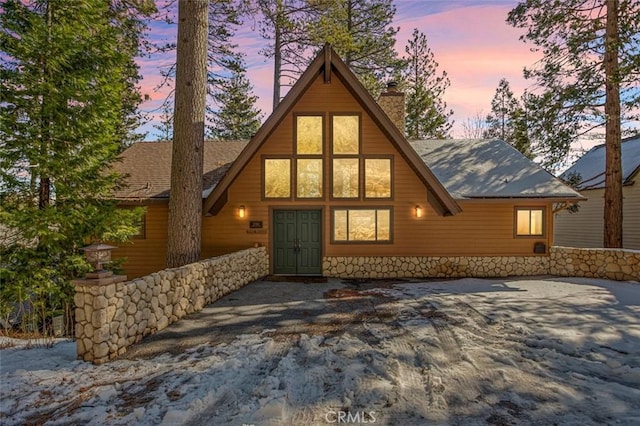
(392, 102)
(94, 314)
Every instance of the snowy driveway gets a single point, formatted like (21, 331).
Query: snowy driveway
(470, 351)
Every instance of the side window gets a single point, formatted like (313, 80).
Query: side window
(529, 221)
(142, 230)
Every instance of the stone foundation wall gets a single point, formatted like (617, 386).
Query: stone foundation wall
(111, 317)
(614, 264)
(439, 267)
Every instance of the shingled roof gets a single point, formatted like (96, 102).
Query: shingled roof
(468, 169)
(147, 167)
(489, 169)
(591, 166)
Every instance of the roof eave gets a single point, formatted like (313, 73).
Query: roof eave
(554, 199)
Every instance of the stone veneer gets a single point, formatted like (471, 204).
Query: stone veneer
(442, 267)
(111, 317)
(614, 264)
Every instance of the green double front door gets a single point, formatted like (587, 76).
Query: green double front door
(297, 242)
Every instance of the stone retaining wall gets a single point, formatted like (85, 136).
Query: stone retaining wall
(614, 264)
(111, 317)
(439, 267)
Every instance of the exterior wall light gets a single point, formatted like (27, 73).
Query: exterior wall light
(97, 254)
(418, 211)
(242, 212)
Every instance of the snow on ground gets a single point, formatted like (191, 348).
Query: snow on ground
(470, 351)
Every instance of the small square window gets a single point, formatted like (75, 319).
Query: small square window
(529, 222)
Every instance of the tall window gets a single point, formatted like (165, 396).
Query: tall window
(529, 221)
(277, 178)
(302, 171)
(309, 134)
(355, 175)
(309, 178)
(377, 177)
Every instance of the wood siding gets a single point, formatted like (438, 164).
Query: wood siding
(484, 228)
(147, 255)
(586, 227)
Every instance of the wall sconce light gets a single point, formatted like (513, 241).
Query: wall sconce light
(418, 211)
(242, 212)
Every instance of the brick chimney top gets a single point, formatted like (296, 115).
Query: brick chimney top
(392, 102)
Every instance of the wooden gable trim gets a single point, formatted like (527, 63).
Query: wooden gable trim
(327, 65)
(438, 196)
(283, 108)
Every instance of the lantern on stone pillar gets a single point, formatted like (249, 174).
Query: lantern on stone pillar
(97, 255)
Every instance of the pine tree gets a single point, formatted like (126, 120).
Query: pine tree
(287, 24)
(184, 232)
(427, 114)
(236, 117)
(361, 32)
(508, 120)
(589, 73)
(67, 84)
(165, 123)
(222, 55)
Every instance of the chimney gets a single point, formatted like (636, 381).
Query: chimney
(392, 103)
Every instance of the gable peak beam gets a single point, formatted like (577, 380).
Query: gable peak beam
(327, 64)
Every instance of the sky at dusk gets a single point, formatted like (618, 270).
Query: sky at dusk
(470, 39)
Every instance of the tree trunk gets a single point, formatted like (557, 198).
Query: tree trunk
(277, 53)
(277, 66)
(44, 182)
(613, 168)
(185, 203)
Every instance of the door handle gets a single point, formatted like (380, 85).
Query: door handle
(296, 246)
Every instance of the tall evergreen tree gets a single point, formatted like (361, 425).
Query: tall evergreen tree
(427, 115)
(287, 24)
(507, 120)
(236, 117)
(184, 232)
(222, 55)
(67, 96)
(589, 73)
(361, 32)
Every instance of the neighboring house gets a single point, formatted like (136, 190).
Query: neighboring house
(585, 228)
(330, 175)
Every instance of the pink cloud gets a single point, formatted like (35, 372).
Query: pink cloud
(473, 44)
(476, 47)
